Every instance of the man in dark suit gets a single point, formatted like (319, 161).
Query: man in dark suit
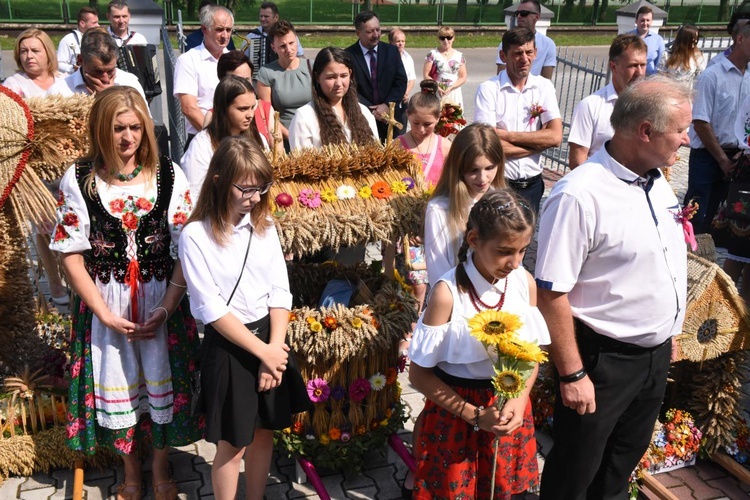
(378, 71)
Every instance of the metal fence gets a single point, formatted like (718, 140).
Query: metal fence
(576, 78)
(177, 134)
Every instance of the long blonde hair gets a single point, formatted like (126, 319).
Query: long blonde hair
(472, 142)
(102, 153)
(236, 158)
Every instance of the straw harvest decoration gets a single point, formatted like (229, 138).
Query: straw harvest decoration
(346, 195)
(716, 320)
(349, 357)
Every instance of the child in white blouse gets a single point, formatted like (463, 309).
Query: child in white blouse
(454, 371)
(244, 303)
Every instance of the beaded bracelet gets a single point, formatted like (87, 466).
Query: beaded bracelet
(476, 417)
(573, 377)
(175, 284)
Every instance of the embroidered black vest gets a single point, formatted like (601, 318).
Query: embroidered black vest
(108, 255)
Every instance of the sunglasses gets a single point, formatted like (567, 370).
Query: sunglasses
(524, 13)
(250, 192)
(443, 38)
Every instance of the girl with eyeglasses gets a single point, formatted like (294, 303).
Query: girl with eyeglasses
(234, 113)
(446, 66)
(238, 284)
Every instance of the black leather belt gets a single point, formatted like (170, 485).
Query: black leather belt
(524, 183)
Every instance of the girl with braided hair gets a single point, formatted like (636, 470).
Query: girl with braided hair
(334, 116)
(453, 370)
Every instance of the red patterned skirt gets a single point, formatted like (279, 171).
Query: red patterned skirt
(455, 462)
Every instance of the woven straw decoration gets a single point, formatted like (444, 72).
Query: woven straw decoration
(716, 320)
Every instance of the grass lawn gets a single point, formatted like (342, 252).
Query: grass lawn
(416, 41)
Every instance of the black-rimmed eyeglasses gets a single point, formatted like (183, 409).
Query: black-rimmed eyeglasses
(524, 13)
(249, 192)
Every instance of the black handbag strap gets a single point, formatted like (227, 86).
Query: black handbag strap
(242, 269)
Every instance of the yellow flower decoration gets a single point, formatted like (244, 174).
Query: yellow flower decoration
(324, 439)
(508, 383)
(316, 326)
(429, 190)
(524, 351)
(328, 195)
(365, 192)
(356, 323)
(492, 327)
(399, 187)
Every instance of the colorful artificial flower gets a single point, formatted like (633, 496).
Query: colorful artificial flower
(324, 439)
(298, 427)
(381, 190)
(365, 192)
(391, 374)
(345, 437)
(316, 327)
(334, 433)
(409, 182)
(318, 390)
(361, 429)
(292, 316)
(328, 195)
(377, 382)
(356, 322)
(284, 200)
(399, 187)
(683, 217)
(345, 192)
(535, 111)
(359, 389)
(338, 393)
(309, 198)
(330, 323)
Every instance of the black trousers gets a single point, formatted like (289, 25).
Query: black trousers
(531, 190)
(594, 454)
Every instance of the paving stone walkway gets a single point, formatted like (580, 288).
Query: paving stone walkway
(384, 473)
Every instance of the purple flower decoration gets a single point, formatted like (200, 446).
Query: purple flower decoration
(409, 182)
(338, 393)
(345, 437)
(359, 389)
(318, 390)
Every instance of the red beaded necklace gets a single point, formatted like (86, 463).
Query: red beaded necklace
(477, 302)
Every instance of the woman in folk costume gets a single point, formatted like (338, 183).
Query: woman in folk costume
(119, 210)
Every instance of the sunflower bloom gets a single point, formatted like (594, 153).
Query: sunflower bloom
(528, 351)
(508, 383)
(492, 327)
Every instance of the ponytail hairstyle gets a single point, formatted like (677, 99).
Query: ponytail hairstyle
(498, 215)
(472, 142)
(427, 99)
(331, 130)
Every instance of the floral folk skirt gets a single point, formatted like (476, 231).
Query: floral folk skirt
(455, 462)
(84, 433)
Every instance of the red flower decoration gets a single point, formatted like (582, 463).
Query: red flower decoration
(179, 219)
(60, 233)
(381, 190)
(143, 204)
(284, 200)
(130, 221)
(738, 207)
(117, 206)
(70, 219)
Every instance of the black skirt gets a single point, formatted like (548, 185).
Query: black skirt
(229, 379)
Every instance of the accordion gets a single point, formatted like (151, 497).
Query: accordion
(258, 50)
(140, 60)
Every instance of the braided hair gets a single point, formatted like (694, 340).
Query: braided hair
(497, 215)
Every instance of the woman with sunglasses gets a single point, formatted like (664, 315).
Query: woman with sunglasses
(233, 114)
(446, 66)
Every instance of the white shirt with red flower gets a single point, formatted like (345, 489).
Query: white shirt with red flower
(139, 380)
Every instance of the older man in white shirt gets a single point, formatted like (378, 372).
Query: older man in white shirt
(523, 110)
(590, 127)
(195, 76)
(611, 276)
